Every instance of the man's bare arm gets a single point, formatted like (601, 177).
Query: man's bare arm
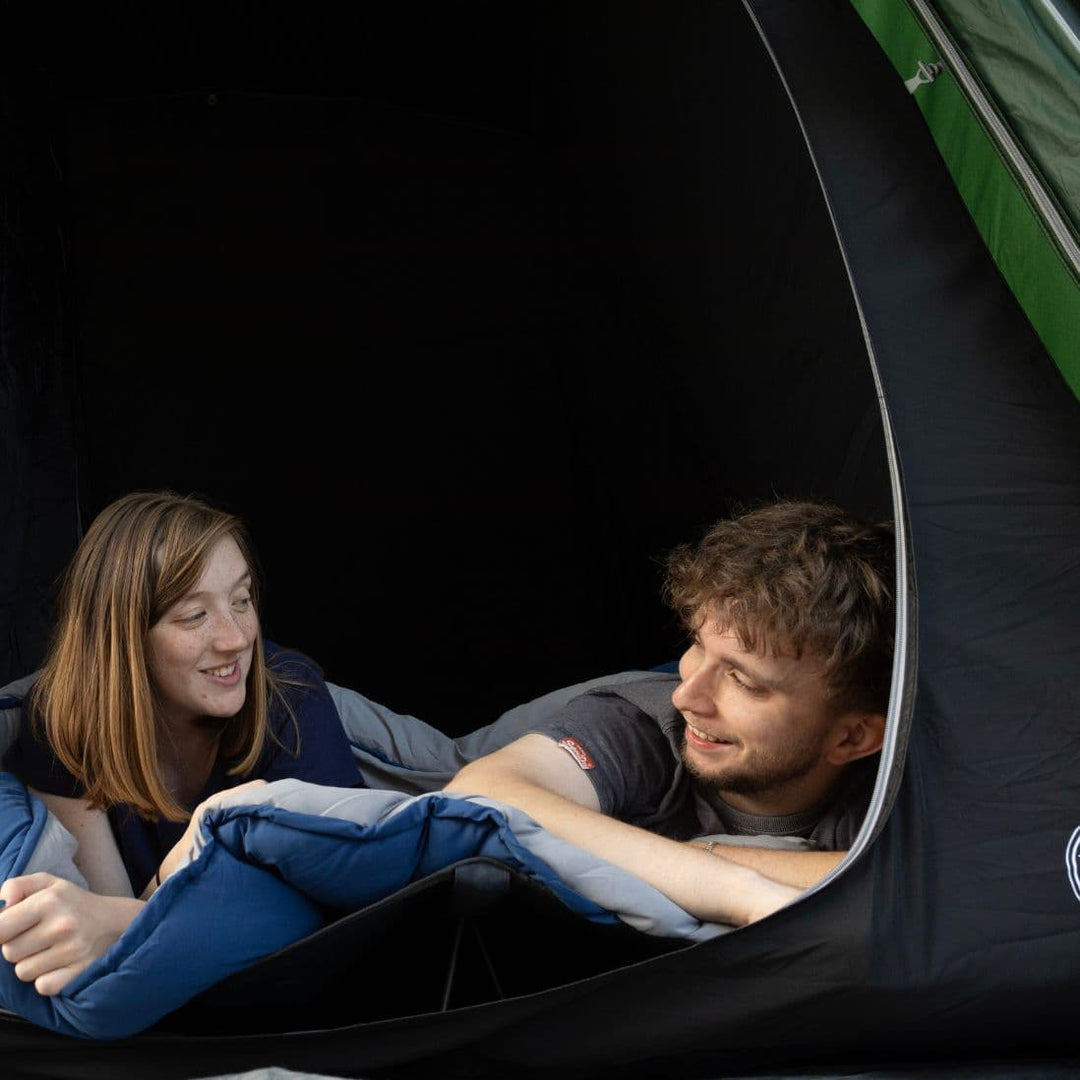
(535, 775)
(799, 868)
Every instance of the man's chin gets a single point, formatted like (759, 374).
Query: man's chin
(714, 774)
(728, 778)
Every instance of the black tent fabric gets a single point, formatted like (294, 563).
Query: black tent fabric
(422, 329)
(744, 270)
(38, 468)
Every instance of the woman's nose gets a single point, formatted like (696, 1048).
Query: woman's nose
(228, 633)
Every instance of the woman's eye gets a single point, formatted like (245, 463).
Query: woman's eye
(242, 603)
(191, 618)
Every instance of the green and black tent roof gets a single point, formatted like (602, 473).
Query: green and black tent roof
(472, 311)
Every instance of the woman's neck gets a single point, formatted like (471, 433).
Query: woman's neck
(186, 753)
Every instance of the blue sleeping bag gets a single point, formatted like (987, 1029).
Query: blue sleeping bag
(295, 856)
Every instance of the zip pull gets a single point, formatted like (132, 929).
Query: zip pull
(926, 73)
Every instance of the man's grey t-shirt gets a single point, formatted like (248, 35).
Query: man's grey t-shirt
(627, 738)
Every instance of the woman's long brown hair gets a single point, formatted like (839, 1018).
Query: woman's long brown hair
(94, 698)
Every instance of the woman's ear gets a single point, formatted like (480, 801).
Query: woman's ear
(856, 735)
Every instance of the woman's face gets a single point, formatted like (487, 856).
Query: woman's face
(200, 650)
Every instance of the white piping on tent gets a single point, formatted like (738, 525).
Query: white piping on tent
(1003, 137)
(1051, 11)
(896, 726)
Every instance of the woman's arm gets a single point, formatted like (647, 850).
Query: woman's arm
(97, 857)
(180, 852)
(51, 929)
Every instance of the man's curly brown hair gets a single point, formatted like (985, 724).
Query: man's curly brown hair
(804, 577)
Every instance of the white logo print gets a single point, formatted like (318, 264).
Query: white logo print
(1072, 862)
(926, 73)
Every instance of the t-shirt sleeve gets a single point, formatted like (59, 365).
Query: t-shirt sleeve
(32, 761)
(323, 755)
(620, 749)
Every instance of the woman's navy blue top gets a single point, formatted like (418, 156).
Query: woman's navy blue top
(322, 757)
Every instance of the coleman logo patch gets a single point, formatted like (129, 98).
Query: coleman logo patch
(1072, 862)
(577, 752)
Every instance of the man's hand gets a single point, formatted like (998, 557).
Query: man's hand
(51, 929)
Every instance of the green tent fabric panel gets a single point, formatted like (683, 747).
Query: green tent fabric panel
(1031, 65)
(1021, 243)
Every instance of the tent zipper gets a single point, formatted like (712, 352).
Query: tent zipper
(905, 647)
(1006, 143)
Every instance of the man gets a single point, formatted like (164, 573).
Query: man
(770, 731)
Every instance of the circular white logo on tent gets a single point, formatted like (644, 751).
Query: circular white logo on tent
(1072, 862)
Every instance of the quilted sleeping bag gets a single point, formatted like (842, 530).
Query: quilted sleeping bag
(295, 856)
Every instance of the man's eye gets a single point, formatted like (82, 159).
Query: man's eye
(744, 685)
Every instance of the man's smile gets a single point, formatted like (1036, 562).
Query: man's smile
(696, 735)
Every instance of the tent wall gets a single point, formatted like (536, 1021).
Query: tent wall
(669, 195)
(471, 315)
(38, 466)
(998, 87)
(643, 298)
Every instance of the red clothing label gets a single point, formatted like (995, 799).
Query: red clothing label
(577, 752)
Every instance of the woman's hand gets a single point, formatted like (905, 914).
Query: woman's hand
(51, 929)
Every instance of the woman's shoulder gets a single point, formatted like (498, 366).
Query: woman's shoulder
(308, 741)
(31, 758)
(291, 663)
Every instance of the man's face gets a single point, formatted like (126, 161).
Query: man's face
(757, 725)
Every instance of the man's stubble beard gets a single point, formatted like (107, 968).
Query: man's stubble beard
(751, 780)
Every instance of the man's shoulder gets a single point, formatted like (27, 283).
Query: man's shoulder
(629, 714)
(536, 715)
(629, 681)
(623, 735)
(649, 692)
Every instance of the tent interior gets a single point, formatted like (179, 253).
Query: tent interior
(471, 312)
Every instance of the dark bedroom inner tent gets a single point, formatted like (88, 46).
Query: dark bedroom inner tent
(473, 312)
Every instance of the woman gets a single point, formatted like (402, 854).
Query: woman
(158, 693)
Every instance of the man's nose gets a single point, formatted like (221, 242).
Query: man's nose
(693, 693)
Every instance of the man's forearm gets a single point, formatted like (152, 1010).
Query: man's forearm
(714, 890)
(799, 868)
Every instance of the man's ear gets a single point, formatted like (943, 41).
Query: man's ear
(856, 735)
